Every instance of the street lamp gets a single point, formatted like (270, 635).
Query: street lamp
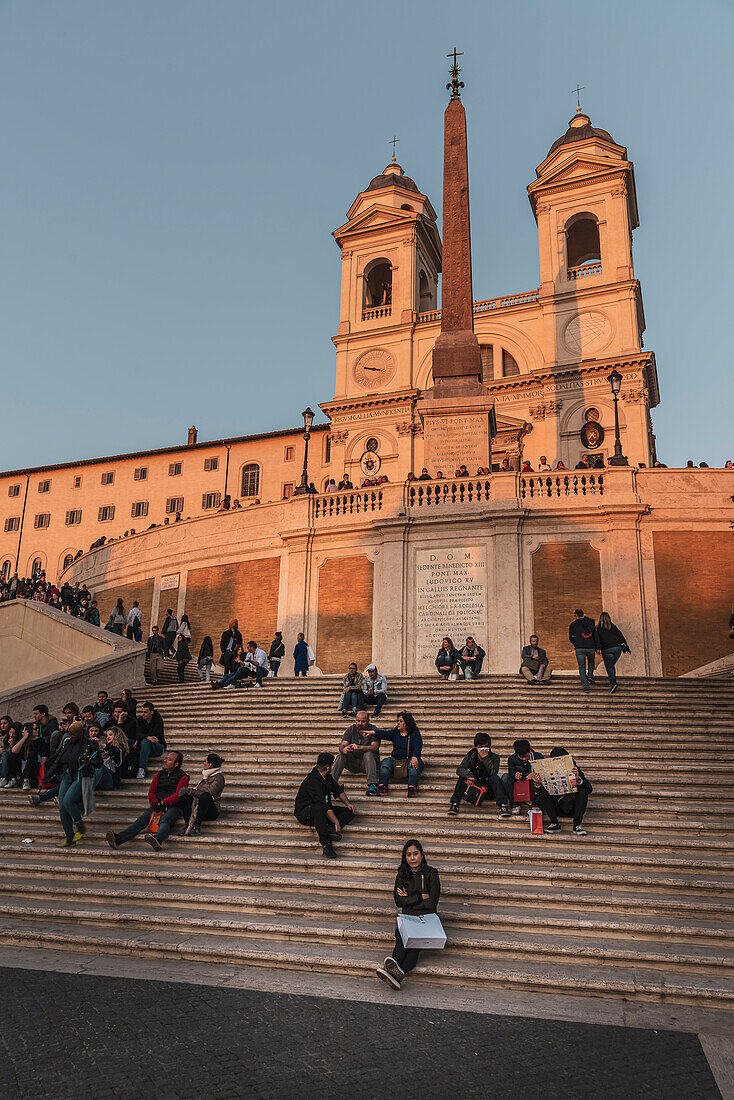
(308, 415)
(615, 381)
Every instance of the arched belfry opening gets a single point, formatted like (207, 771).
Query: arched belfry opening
(378, 284)
(582, 241)
(426, 293)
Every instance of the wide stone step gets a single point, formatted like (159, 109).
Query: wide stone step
(220, 881)
(353, 906)
(705, 987)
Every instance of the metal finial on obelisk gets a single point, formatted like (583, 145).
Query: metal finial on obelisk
(455, 70)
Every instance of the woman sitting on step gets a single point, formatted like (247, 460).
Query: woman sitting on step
(417, 891)
(203, 803)
(237, 665)
(405, 760)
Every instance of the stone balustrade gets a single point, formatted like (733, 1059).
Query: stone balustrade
(429, 494)
(376, 311)
(485, 306)
(560, 484)
(354, 502)
(584, 271)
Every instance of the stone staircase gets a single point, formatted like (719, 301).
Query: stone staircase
(639, 908)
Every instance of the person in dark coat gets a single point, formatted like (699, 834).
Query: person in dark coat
(314, 806)
(417, 890)
(567, 805)
(300, 656)
(446, 658)
(612, 644)
(534, 664)
(277, 653)
(482, 766)
(584, 639)
(205, 660)
(231, 638)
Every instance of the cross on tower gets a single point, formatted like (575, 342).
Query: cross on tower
(577, 92)
(455, 70)
(393, 141)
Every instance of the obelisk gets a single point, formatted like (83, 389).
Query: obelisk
(458, 410)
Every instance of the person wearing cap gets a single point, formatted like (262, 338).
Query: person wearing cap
(374, 689)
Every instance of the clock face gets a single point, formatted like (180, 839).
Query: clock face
(374, 369)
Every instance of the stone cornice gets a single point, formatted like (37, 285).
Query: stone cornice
(345, 405)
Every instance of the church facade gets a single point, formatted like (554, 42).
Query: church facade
(382, 571)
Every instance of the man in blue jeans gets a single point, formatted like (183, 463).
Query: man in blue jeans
(163, 796)
(149, 739)
(585, 641)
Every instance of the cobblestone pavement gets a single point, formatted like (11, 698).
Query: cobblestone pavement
(78, 1036)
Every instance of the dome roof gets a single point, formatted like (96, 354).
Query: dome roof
(393, 176)
(580, 129)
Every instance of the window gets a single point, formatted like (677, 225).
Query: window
(211, 500)
(108, 477)
(211, 463)
(290, 454)
(377, 284)
(14, 490)
(487, 353)
(250, 480)
(582, 241)
(327, 448)
(43, 519)
(44, 486)
(509, 364)
(106, 512)
(78, 481)
(426, 293)
(288, 490)
(36, 567)
(175, 469)
(139, 508)
(12, 524)
(174, 504)
(6, 570)
(141, 473)
(68, 559)
(74, 517)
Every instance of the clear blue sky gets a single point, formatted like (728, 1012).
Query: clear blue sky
(171, 172)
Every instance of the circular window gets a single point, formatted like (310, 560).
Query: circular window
(592, 414)
(372, 444)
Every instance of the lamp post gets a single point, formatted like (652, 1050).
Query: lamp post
(615, 381)
(308, 415)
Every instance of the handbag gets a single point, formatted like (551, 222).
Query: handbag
(474, 793)
(154, 823)
(521, 791)
(400, 770)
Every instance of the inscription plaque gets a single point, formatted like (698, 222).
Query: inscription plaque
(451, 439)
(450, 598)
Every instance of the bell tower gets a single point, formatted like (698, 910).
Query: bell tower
(391, 261)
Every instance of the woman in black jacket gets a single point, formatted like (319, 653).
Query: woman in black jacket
(277, 653)
(446, 658)
(205, 660)
(417, 890)
(613, 644)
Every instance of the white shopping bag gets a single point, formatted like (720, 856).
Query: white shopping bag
(423, 931)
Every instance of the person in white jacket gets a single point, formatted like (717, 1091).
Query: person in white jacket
(374, 689)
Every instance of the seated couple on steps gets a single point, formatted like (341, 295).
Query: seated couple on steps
(479, 777)
(359, 753)
(452, 663)
(170, 797)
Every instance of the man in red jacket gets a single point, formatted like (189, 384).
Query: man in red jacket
(163, 796)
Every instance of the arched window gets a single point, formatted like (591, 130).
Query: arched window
(509, 364)
(377, 284)
(250, 480)
(36, 566)
(426, 296)
(68, 559)
(582, 241)
(6, 570)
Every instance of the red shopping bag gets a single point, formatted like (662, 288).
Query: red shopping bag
(521, 791)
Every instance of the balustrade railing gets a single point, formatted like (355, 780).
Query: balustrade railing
(376, 311)
(561, 485)
(347, 504)
(485, 306)
(428, 494)
(584, 271)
